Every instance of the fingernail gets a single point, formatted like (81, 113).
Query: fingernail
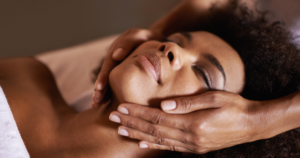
(143, 146)
(96, 97)
(114, 118)
(117, 53)
(123, 132)
(98, 86)
(123, 110)
(168, 105)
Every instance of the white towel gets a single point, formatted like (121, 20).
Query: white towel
(11, 143)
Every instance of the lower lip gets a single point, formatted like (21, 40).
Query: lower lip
(147, 66)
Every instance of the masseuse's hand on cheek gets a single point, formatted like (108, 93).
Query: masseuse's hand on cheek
(198, 124)
(120, 48)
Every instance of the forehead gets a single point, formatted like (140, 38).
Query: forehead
(205, 42)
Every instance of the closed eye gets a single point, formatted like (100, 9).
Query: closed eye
(207, 81)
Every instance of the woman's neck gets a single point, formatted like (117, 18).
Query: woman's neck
(94, 134)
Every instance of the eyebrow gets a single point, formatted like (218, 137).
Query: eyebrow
(216, 63)
(187, 35)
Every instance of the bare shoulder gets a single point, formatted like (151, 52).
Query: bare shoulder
(25, 78)
(21, 67)
(34, 100)
(28, 85)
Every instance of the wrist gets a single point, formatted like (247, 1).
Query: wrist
(259, 123)
(272, 117)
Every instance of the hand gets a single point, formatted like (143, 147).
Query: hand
(120, 48)
(199, 124)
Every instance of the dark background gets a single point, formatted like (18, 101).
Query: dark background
(28, 27)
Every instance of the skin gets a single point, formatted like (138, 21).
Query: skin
(44, 118)
(179, 76)
(261, 119)
(49, 127)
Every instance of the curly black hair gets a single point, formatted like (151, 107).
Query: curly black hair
(272, 69)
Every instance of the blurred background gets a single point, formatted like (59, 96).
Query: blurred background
(33, 26)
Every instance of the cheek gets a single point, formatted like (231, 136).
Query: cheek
(185, 84)
(130, 84)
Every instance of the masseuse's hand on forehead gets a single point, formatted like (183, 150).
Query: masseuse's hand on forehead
(121, 47)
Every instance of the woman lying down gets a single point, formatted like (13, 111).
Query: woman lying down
(237, 52)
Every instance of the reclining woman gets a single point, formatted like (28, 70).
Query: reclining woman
(186, 63)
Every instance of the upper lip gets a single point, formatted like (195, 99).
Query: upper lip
(156, 62)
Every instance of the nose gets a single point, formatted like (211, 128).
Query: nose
(171, 50)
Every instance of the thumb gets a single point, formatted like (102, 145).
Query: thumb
(192, 103)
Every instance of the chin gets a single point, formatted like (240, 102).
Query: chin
(130, 85)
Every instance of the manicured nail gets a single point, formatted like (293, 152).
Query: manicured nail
(98, 86)
(143, 146)
(114, 118)
(96, 97)
(123, 132)
(123, 110)
(168, 105)
(117, 53)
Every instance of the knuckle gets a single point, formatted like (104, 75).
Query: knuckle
(157, 118)
(215, 98)
(187, 104)
(160, 141)
(173, 148)
(197, 141)
(154, 132)
(196, 128)
(188, 139)
(130, 123)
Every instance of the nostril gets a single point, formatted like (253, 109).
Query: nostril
(162, 48)
(170, 56)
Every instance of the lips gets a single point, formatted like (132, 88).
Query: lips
(151, 63)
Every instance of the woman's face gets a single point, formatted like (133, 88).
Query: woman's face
(186, 64)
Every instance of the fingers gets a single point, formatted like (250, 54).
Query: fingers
(98, 95)
(145, 144)
(152, 142)
(158, 133)
(101, 97)
(129, 41)
(106, 68)
(156, 116)
(121, 47)
(135, 134)
(119, 50)
(212, 99)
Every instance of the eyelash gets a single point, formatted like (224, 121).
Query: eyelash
(207, 81)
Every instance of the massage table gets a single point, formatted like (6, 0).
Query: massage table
(73, 71)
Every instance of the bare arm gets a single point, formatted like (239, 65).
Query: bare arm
(279, 115)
